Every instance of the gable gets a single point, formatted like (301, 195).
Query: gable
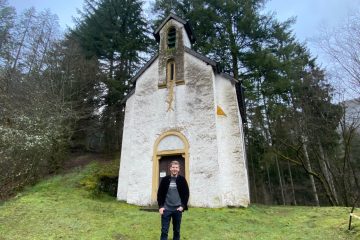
(215, 66)
(186, 24)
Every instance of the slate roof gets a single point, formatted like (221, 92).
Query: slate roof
(201, 57)
(207, 60)
(123, 101)
(215, 65)
(143, 69)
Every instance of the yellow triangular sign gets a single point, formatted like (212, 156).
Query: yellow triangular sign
(220, 112)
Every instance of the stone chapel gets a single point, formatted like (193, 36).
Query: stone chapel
(183, 108)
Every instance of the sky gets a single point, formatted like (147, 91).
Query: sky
(311, 15)
(65, 9)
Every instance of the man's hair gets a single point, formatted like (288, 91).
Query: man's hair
(174, 162)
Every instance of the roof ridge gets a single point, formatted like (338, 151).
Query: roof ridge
(186, 24)
(210, 62)
(147, 64)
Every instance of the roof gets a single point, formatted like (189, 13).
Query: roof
(186, 24)
(211, 62)
(207, 60)
(137, 75)
(123, 101)
(229, 77)
(143, 69)
(200, 56)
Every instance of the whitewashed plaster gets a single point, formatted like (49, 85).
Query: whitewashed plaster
(126, 153)
(215, 159)
(231, 148)
(170, 142)
(193, 116)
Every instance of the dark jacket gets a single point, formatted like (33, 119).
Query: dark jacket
(182, 188)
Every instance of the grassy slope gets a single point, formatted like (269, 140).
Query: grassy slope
(60, 208)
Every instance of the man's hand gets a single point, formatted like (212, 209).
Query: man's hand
(161, 211)
(180, 209)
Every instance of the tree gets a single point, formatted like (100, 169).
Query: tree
(342, 45)
(77, 81)
(288, 98)
(225, 30)
(113, 31)
(34, 116)
(7, 16)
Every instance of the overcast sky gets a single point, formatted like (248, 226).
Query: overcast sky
(310, 14)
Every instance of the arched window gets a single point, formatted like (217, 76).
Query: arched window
(170, 70)
(171, 37)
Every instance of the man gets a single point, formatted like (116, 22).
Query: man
(172, 197)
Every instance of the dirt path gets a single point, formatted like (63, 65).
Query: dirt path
(82, 159)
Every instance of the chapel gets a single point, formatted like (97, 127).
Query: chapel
(183, 107)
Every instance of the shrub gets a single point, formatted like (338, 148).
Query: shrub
(102, 178)
(29, 149)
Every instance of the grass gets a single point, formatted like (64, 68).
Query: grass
(61, 208)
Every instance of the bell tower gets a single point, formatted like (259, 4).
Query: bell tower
(173, 35)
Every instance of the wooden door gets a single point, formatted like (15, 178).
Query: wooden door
(164, 165)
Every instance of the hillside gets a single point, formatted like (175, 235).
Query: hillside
(62, 207)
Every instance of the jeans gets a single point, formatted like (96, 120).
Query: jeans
(165, 223)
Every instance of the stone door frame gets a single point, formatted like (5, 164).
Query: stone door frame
(158, 154)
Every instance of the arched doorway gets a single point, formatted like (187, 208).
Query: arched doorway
(171, 145)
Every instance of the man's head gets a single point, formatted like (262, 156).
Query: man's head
(174, 168)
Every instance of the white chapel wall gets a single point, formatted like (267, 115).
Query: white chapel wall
(199, 108)
(170, 142)
(193, 116)
(231, 149)
(138, 157)
(126, 151)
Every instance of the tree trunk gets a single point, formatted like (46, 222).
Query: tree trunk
(234, 51)
(269, 180)
(292, 183)
(312, 181)
(21, 44)
(324, 165)
(280, 180)
(253, 178)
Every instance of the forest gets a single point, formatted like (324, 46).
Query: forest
(62, 93)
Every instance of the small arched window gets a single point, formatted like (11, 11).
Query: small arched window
(170, 69)
(171, 37)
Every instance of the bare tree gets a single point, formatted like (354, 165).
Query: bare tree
(34, 120)
(342, 45)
